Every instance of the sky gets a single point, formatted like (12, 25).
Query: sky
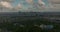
(29, 5)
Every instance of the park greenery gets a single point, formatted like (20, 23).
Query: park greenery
(26, 24)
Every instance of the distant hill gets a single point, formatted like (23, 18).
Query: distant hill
(29, 13)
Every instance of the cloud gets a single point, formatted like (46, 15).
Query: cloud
(19, 6)
(7, 0)
(6, 4)
(8, 7)
(55, 4)
(29, 1)
(41, 4)
(54, 1)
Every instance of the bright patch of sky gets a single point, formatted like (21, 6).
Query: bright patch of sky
(24, 3)
(17, 4)
(46, 1)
